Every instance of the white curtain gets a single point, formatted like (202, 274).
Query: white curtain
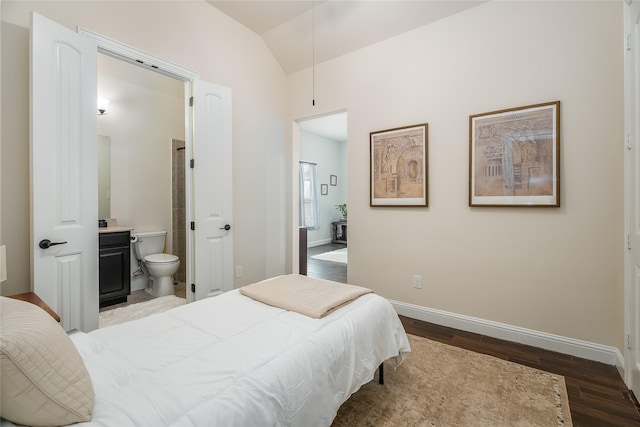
(308, 196)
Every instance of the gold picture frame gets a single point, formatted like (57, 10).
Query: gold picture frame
(514, 157)
(399, 166)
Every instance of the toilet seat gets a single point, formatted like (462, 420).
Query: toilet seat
(160, 258)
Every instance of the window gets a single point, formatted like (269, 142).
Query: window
(308, 196)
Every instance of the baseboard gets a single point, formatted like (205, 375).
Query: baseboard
(565, 345)
(319, 242)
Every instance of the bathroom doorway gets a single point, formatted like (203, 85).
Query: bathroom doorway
(200, 114)
(145, 124)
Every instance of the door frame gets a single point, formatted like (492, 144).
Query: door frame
(153, 63)
(295, 184)
(632, 193)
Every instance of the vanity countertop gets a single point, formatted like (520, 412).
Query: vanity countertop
(113, 229)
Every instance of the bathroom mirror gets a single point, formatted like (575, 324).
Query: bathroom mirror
(104, 177)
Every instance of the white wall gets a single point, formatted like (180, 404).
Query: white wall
(329, 157)
(556, 270)
(194, 35)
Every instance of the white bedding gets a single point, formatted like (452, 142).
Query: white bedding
(232, 361)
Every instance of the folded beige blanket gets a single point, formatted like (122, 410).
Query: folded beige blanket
(305, 295)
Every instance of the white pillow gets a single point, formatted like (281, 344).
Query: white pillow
(43, 379)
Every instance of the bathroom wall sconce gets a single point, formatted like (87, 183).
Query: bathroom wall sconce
(102, 106)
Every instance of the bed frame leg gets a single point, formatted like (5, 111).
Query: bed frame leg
(381, 373)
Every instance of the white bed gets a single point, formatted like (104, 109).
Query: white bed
(233, 361)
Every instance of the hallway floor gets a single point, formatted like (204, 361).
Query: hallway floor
(326, 269)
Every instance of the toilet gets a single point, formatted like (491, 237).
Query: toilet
(149, 249)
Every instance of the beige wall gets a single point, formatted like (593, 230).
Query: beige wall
(556, 270)
(14, 146)
(196, 36)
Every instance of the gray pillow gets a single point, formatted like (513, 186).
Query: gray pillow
(43, 379)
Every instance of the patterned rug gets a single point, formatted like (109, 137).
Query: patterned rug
(339, 255)
(139, 310)
(445, 386)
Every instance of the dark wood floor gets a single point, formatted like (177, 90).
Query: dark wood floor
(598, 396)
(326, 269)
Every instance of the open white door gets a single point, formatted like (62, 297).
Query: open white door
(632, 178)
(212, 190)
(63, 161)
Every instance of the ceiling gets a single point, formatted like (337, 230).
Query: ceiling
(287, 28)
(300, 35)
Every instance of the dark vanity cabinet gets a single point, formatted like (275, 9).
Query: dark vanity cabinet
(115, 267)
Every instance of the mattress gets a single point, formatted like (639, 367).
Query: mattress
(232, 361)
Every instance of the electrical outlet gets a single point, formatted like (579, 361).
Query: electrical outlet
(417, 281)
(238, 271)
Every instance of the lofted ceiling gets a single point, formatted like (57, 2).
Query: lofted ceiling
(301, 33)
(287, 28)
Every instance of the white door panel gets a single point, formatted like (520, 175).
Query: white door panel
(69, 270)
(63, 161)
(632, 203)
(634, 173)
(212, 190)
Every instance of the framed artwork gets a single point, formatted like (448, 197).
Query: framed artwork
(333, 180)
(399, 166)
(514, 157)
(324, 189)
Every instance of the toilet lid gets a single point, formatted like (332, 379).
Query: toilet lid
(158, 258)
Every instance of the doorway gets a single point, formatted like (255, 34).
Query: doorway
(144, 118)
(207, 106)
(323, 143)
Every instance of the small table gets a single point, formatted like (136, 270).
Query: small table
(35, 299)
(339, 231)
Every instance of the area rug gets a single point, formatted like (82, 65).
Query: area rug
(339, 255)
(445, 386)
(139, 310)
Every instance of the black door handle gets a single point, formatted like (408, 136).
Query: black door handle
(226, 227)
(46, 243)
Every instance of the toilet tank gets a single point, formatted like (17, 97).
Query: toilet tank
(149, 243)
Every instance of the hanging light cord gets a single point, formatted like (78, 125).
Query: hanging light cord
(313, 52)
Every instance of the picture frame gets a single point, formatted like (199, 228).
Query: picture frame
(324, 189)
(514, 157)
(399, 166)
(333, 180)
